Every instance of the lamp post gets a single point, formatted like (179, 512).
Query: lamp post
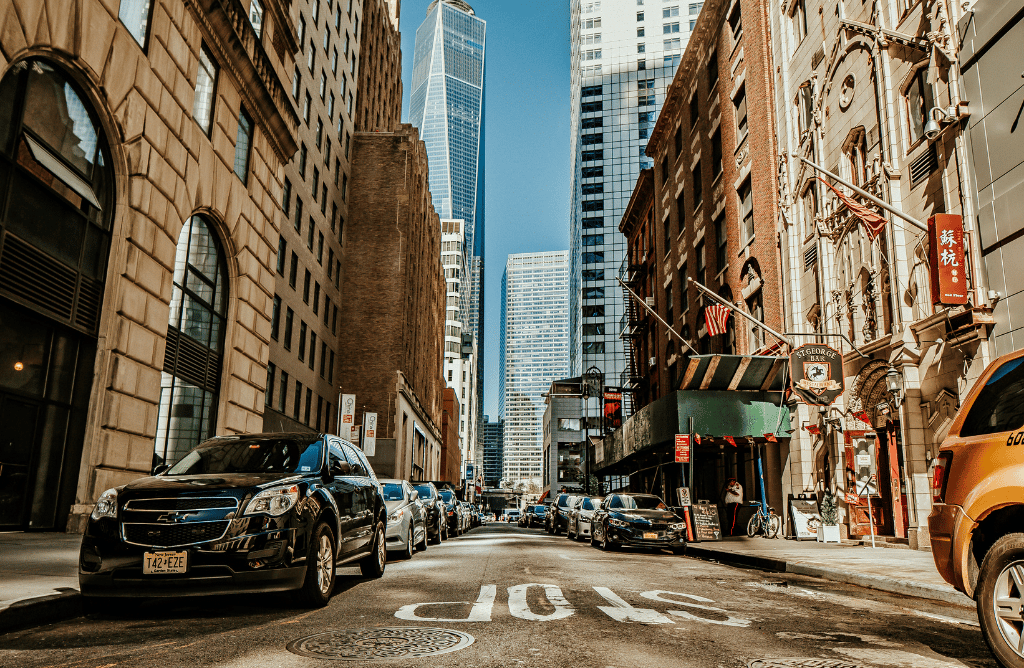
(895, 385)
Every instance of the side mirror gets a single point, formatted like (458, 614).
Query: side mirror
(340, 468)
(415, 495)
(160, 468)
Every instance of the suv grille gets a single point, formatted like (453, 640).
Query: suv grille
(171, 535)
(185, 503)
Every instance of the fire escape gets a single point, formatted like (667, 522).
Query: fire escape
(631, 328)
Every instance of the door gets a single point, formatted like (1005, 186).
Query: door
(19, 419)
(342, 489)
(364, 491)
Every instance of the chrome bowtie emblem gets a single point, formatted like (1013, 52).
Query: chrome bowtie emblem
(174, 517)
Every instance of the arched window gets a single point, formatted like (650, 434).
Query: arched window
(195, 342)
(57, 186)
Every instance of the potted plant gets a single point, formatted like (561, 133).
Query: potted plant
(829, 532)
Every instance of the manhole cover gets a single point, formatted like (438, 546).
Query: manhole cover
(802, 663)
(380, 644)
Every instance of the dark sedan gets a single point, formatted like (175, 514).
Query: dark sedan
(535, 515)
(453, 512)
(437, 515)
(639, 520)
(247, 513)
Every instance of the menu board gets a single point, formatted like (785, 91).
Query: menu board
(706, 525)
(806, 518)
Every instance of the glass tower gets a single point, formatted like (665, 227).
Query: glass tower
(447, 105)
(624, 56)
(534, 352)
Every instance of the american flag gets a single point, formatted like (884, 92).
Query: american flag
(716, 316)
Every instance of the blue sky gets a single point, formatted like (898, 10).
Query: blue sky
(526, 91)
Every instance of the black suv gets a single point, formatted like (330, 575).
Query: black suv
(535, 516)
(453, 511)
(557, 518)
(246, 513)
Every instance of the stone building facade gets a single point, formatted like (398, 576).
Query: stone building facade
(451, 448)
(855, 86)
(151, 147)
(391, 323)
(303, 388)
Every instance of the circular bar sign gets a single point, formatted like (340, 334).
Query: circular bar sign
(816, 371)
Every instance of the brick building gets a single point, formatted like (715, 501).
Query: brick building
(391, 331)
(302, 388)
(379, 78)
(451, 449)
(706, 211)
(150, 140)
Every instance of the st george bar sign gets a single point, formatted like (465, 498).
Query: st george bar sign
(817, 373)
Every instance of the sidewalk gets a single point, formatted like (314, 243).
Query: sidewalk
(907, 572)
(38, 578)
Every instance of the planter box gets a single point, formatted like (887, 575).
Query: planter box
(829, 533)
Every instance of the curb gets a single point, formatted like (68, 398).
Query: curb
(41, 610)
(881, 583)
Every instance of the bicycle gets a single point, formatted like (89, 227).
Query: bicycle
(765, 521)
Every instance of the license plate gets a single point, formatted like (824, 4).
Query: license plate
(164, 563)
(650, 535)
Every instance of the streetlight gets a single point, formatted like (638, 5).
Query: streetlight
(894, 383)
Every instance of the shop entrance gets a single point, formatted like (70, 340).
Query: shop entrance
(20, 420)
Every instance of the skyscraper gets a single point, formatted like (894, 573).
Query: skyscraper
(494, 451)
(624, 55)
(447, 105)
(534, 352)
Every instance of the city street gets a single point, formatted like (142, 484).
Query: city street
(525, 598)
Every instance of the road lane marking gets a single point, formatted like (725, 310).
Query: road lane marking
(729, 621)
(621, 611)
(519, 607)
(481, 611)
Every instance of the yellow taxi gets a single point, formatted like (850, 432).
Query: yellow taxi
(977, 520)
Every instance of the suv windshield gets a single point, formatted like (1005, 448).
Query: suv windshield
(538, 510)
(637, 502)
(392, 491)
(563, 501)
(251, 455)
(425, 491)
(446, 495)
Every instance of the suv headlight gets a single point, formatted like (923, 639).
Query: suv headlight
(617, 523)
(679, 526)
(396, 516)
(275, 501)
(106, 506)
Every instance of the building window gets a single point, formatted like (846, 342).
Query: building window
(302, 341)
(596, 122)
(283, 396)
(316, 298)
(593, 347)
(293, 270)
(593, 188)
(716, 154)
(594, 329)
(593, 274)
(268, 396)
(193, 357)
(312, 350)
(286, 197)
(669, 12)
(669, 312)
(593, 311)
(282, 254)
(698, 186)
(298, 400)
(298, 214)
(591, 107)
(592, 172)
(646, 100)
(721, 243)
(640, 32)
(592, 223)
(309, 403)
(694, 110)
(275, 319)
(593, 239)
(799, 20)
(641, 48)
(134, 14)
(920, 99)
(256, 17)
(639, 16)
(591, 257)
(206, 82)
(593, 205)
(684, 302)
(746, 211)
(590, 156)
(306, 105)
(736, 21)
(588, 140)
(302, 160)
(306, 281)
(673, 44)
(741, 114)
(242, 145)
(805, 107)
(702, 266)
(289, 321)
(670, 28)
(591, 91)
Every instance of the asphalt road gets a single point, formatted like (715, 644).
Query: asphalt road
(529, 599)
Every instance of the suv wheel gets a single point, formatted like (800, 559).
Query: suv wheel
(319, 581)
(373, 564)
(436, 540)
(1000, 597)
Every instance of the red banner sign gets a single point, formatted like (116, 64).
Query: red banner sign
(683, 448)
(946, 255)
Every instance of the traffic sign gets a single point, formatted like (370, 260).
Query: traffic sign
(682, 448)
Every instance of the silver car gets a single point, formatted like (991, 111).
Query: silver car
(581, 517)
(407, 521)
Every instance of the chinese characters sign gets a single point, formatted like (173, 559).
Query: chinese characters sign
(946, 251)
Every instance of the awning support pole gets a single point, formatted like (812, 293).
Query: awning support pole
(733, 307)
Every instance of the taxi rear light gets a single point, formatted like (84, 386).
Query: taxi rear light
(940, 476)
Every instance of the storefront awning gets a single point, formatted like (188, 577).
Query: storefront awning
(744, 373)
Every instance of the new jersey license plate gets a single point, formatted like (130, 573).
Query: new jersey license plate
(164, 563)
(650, 535)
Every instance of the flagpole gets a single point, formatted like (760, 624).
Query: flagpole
(655, 314)
(866, 195)
(732, 307)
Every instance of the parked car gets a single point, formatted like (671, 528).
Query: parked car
(436, 516)
(453, 511)
(512, 515)
(559, 518)
(581, 517)
(975, 521)
(535, 515)
(467, 516)
(239, 514)
(407, 521)
(639, 520)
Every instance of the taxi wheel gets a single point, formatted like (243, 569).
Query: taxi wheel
(319, 581)
(1000, 597)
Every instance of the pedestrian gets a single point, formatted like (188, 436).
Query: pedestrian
(733, 498)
